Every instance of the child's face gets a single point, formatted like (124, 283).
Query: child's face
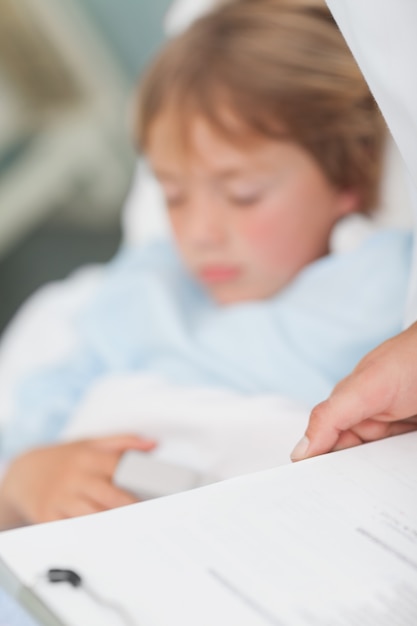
(246, 219)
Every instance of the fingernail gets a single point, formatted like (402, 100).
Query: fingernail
(300, 450)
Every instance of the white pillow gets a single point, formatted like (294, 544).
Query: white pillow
(183, 12)
(144, 216)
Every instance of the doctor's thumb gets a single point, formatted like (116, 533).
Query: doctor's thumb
(320, 436)
(330, 419)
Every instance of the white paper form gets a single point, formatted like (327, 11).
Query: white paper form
(331, 541)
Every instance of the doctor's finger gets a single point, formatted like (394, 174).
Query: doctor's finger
(373, 430)
(379, 428)
(359, 397)
(367, 433)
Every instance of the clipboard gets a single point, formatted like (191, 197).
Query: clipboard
(27, 598)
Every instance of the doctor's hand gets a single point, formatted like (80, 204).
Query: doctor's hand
(379, 399)
(67, 480)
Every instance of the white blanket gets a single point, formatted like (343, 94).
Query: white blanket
(221, 433)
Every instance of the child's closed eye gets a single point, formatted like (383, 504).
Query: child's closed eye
(174, 193)
(174, 201)
(244, 198)
(175, 197)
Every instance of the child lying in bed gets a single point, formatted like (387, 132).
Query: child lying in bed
(263, 135)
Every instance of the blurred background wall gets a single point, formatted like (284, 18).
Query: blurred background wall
(67, 70)
(119, 21)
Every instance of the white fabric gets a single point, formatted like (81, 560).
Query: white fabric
(221, 433)
(42, 332)
(394, 208)
(411, 314)
(183, 12)
(144, 216)
(382, 36)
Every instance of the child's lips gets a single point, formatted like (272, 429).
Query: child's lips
(214, 274)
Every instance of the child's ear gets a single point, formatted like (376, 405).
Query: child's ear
(349, 201)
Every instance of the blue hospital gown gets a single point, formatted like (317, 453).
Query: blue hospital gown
(150, 315)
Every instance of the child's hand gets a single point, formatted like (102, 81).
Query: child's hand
(66, 480)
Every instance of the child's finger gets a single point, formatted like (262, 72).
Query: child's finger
(107, 496)
(78, 507)
(101, 464)
(75, 506)
(121, 443)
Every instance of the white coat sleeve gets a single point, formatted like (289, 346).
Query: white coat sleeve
(382, 36)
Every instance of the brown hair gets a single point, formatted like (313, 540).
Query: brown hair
(280, 66)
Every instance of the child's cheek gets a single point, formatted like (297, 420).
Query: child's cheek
(264, 236)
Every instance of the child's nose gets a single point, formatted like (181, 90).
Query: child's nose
(207, 224)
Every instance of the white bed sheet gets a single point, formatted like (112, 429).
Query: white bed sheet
(219, 432)
(42, 332)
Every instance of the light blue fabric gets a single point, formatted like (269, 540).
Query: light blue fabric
(11, 614)
(151, 316)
